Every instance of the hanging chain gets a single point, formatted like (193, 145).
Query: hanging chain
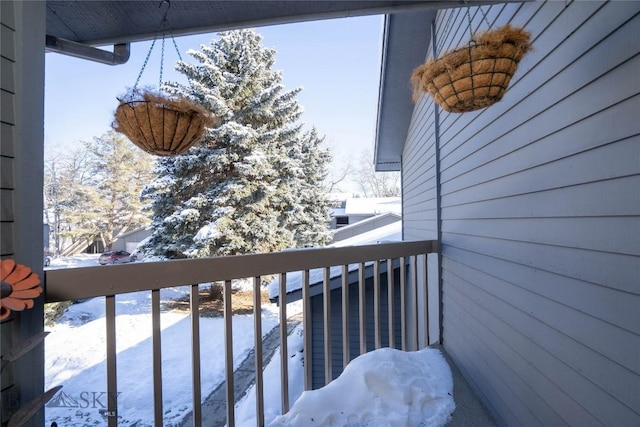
(161, 63)
(164, 25)
(176, 46)
(144, 65)
(470, 26)
(484, 17)
(450, 19)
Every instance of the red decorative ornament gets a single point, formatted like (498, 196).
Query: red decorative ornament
(18, 287)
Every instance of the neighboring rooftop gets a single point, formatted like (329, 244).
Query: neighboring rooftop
(365, 225)
(388, 233)
(378, 205)
(369, 206)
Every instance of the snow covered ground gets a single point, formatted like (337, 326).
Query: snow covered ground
(382, 388)
(75, 356)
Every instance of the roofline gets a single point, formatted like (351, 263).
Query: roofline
(375, 217)
(406, 38)
(136, 230)
(288, 19)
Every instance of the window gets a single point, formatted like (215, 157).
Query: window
(342, 220)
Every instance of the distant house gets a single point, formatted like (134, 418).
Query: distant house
(365, 225)
(130, 241)
(386, 233)
(354, 209)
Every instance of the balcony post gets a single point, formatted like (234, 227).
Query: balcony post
(326, 297)
(194, 304)
(361, 309)
(284, 352)
(257, 320)
(157, 356)
(306, 326)
(376, 304)
(346, 356)
(228, 353)
(403, 302)
(112, 368)
(390, 308)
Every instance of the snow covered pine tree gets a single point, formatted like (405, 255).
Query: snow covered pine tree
(255, 183)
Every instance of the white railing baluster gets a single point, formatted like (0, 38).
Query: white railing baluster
(425, 312)
(390, 285)
(346, 357)
(403, 302)
(306, 326)
(228, 353)
(157, 356)
(257, 322)
(326, 311)
(376, 305)
(284, 352)
(194, 305)
(361, 309)
(112, 368)
(414, 286)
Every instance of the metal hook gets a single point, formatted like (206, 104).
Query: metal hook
(166, 12)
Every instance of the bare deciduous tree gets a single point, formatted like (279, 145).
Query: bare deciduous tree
(94, 193)
(65, 176)
(337, 175)
(376, 184)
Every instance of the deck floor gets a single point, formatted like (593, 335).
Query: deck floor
(470, 412)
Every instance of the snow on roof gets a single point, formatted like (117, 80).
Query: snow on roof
(388, 233)
(368, 220)
(372, 206)
(136, 230)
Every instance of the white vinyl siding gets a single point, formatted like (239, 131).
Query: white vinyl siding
(22, 37)
(540, 198)
(419, 198)
(7, 123)
(7, 132)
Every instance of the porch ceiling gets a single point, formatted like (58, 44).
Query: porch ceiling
(106, 22)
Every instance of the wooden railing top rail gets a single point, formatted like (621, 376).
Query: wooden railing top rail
(86, 282)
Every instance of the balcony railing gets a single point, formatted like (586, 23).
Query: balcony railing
(80, 283)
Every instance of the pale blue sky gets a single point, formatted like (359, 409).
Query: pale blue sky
(337, 62)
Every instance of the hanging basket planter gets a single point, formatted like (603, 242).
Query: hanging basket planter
(161, 125)
(475, 76)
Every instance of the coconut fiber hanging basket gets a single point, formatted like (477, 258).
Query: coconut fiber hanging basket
(160, 123)
(475, 76)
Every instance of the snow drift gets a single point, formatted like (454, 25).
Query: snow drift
(385, 387)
